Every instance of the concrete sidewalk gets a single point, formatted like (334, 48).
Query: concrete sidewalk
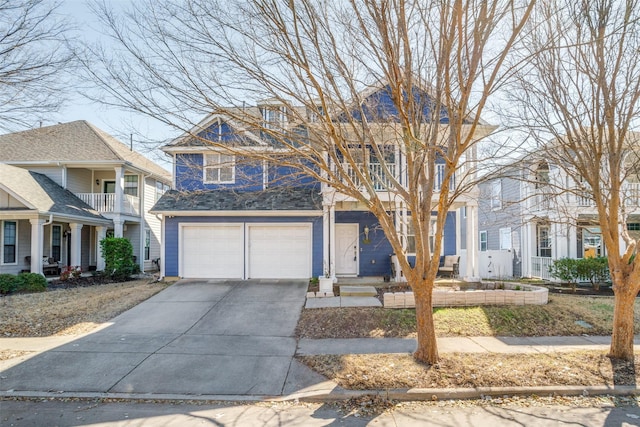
(502, 345)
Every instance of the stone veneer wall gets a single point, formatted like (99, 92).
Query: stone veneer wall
(527, 295)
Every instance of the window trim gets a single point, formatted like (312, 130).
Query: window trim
(503, 231)
(539, 248)
(135, 181)
(481, 241)
(217, 165)
(432, 221)
(51, 245)
(15, 243)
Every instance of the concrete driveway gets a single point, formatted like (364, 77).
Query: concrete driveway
(197, 337)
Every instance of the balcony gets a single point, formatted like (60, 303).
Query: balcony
(106, 203)
(382, 180)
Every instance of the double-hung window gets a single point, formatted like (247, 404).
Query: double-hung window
(131, 185)
(56, 241)
(147, 243)
(219, 168)
(484, 242)
(9, 242)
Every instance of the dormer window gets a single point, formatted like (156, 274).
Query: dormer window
(273, 116)
(219, 169)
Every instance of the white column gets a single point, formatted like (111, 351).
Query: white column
(143, 224)
(37, 243)
(326, 262)
(332, 242)
(101, 234)
(76, 244)
(472, 273)
(162, 247)
(118, 227)
(119, 190)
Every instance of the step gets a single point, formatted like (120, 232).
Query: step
(358, 291)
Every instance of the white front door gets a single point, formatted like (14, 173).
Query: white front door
(347, 249)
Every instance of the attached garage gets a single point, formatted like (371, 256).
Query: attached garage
(212, 251)
(246, 250)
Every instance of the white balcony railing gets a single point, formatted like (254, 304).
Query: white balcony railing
(382, 180)
(540, 267)
(106, 203)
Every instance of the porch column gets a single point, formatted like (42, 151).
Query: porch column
(472, 274)
(326, 262)
(76, 244)
(119, 190)
(37, 244)
(332, 242)
(101, 233)
(143, 223)
(118, 227)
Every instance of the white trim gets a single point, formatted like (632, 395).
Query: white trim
(2, 243)
(269, 213)
(480, 233)
(51, 241)
(220, 165)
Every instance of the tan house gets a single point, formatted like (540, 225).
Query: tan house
(65, 187)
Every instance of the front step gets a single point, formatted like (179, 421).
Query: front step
(358, 291)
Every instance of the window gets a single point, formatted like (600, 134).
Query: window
(273, 116)
(131, 185)
(411, 236)
(496, 195)
(542, 175)
(633, 226)
(505, 238)
(161, 188)
(591, 242)
(483, 241)
(219, 169)
(147, 244)
(56, 241)
(543, 241)
(464, 211)
(9, 241)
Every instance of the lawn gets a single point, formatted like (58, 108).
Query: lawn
(557, 318)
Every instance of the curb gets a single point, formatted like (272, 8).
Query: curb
(417, 394)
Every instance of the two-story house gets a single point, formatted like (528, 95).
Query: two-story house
(65, 187)
(232, 216)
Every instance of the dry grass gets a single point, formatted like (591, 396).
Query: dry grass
(70, 311)
(392, 371)
(556, 318)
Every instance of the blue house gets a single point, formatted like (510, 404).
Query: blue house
(233, 214)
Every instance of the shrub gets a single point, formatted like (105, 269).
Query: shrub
(7, 283)
(565, 269)
(30, 282)
(118, 258)
(596, 270)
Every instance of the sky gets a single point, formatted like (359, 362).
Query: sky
(111, 120)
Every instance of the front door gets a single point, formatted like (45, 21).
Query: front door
(347, 249)
(109, 187)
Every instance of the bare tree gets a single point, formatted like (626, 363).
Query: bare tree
(580, 97)
(438, 61)
(33, 54)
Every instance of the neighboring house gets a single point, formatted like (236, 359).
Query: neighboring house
(65, 187)
(560, 218)
(233, 217)
(500, 221)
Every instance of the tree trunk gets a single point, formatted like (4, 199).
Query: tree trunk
(622, 336)
(427, 351)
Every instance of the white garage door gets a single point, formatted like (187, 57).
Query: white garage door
(213, 251)
(282, 251)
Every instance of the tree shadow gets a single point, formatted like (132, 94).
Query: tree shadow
(624, 375)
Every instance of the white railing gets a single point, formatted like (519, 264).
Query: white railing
(540, 267)
(106, 203)
(381, 180)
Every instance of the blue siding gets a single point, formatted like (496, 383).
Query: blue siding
(374, 256)
(189, 175)
(379, 106)
(172, 242)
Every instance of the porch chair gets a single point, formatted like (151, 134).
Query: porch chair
(450, 266)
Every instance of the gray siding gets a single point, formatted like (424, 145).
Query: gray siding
(79, 180)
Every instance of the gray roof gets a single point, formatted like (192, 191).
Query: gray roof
(71, 142)
(273, 199)
(43, 194)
